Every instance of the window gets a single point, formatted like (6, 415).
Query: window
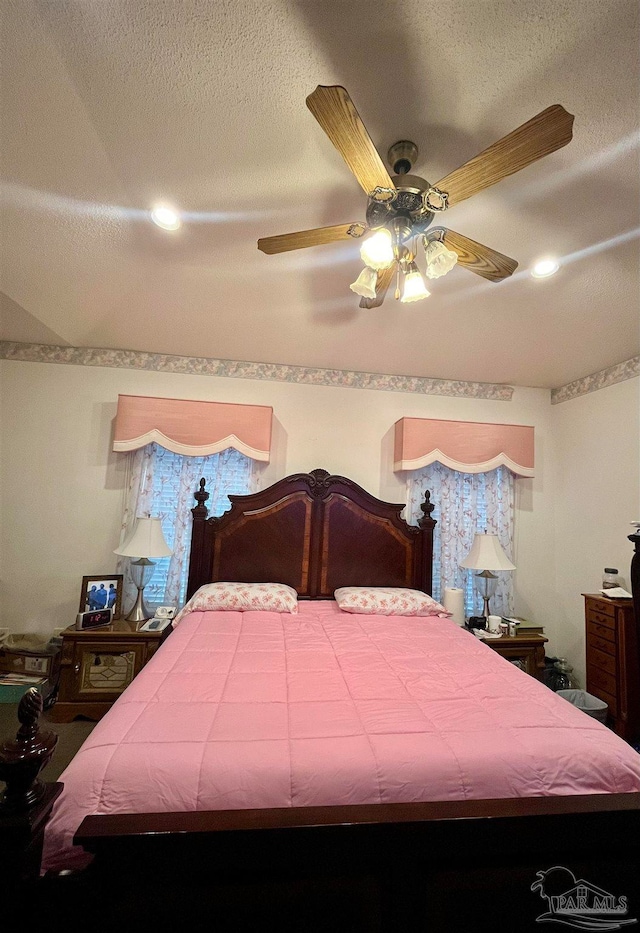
(465, 503)
(162, 484)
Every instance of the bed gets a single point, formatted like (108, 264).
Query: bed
(337, 767)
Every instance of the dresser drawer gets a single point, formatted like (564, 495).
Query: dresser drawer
(601, 618)
(603, 606)
(604, 662)
(595, 630)
(600, 680)
(595, 639)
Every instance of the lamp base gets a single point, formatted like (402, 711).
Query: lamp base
(139, 612)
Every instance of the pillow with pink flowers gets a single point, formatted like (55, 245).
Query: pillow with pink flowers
(242, 597)
(388, 601)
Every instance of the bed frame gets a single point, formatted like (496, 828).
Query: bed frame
(458, 865)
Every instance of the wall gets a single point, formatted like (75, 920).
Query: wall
(62, 487)
(597, 495)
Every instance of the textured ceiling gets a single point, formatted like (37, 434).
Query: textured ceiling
(112, 105)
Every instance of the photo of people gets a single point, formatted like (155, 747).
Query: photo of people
(103, 592)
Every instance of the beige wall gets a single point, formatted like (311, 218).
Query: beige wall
(597, 494)
(62, 487)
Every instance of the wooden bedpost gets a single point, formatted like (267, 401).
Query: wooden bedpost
(426, 524)
(26, 802)
(198, 526)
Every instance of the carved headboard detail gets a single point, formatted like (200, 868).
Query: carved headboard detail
(315, 532)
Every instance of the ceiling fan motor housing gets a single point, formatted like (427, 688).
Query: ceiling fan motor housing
(408, 203)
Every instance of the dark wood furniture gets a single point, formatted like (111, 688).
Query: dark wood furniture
(417, 866)
(98, 665)
(525, 651)
(25, 803)
(612, 661)
(315, 532)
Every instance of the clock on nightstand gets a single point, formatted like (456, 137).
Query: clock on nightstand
(99, 664)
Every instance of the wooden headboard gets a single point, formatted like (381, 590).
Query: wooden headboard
(315, 532)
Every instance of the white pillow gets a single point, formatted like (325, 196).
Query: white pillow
(388, 601)
(241, 597)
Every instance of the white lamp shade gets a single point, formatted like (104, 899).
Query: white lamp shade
(440, 260)
(414, 288)
(365, 284)
(146, 540)
(377, 250)
(486, 554)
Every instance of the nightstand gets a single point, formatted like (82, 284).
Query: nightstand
(98, 665)
(525, 651)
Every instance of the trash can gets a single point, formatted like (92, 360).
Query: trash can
(589, 704)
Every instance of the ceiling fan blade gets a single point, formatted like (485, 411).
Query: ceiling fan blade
(335, 112)
(382, 284)
(316, 237)
(549, 130)
(480, 259)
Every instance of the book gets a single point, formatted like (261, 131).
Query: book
(21, 679)
(616, 592)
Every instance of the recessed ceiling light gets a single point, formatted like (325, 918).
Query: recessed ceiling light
(165, 217)
(545, 267)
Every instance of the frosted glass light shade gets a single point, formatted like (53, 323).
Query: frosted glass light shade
(365, 284)
(486, 554)
(414, 288)
(440, 260)
(377, 250)
(146, 540)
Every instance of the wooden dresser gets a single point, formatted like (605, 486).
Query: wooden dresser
(612, 661)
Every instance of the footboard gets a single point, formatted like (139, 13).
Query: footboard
(456, 865)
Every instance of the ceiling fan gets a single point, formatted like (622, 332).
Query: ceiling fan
(401, 207)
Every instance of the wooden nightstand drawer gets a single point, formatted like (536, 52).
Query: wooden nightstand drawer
(98, 665)
(525, 651)
(600, 680)
(601, 618)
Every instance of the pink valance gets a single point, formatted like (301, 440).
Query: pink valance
(192, 428)
(465, 446)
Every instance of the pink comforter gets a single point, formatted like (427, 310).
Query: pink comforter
(256, 709)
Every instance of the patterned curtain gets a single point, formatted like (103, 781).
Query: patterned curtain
(162, 484)
(466, 503)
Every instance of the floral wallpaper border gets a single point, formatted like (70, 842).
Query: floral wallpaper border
(600, 380)
(236, 369)
(303, 375)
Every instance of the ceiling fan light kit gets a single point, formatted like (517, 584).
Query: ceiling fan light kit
(400, 208)
(439, 259)
(413, 288)
(377, 250)
(365, 284)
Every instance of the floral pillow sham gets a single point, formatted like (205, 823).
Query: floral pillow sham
(388, 601)
(242, 597)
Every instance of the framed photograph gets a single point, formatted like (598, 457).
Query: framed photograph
(102, 591)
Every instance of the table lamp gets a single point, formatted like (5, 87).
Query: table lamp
(486, 555)
(148, 540)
